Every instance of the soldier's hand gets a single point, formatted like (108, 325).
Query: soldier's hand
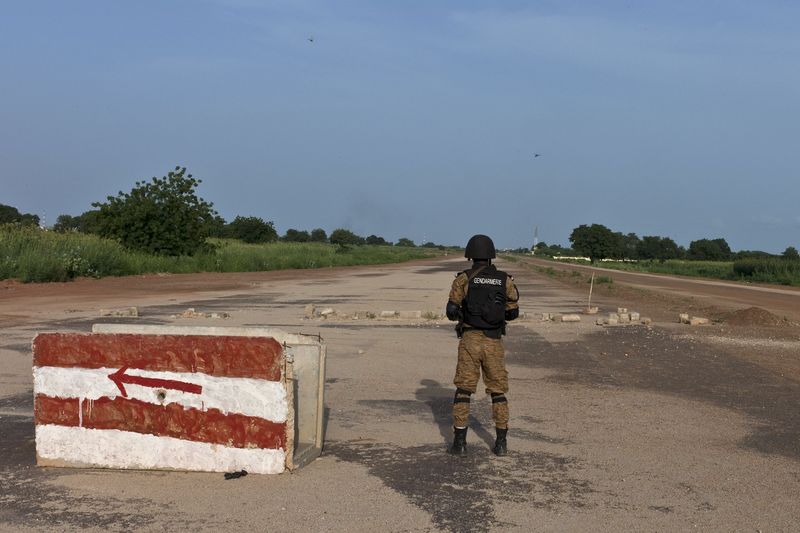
(453, 311)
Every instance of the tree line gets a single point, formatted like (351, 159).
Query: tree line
(165, 216)
(599, 242)
(11, 215)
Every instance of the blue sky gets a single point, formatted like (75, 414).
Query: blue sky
(416, 119)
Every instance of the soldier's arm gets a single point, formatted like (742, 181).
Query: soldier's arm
(512, 299)
(457, 292)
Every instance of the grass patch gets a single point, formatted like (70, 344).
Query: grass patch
(769, 270)
(764, 270)
(32, 255)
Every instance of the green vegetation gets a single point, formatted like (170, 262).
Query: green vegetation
(11, 215)
(552, 250)
(660, 248)
(763, 270)
(293, 235)
(87, 222)
(319, 235)
(163, 216)
(599, 242)
(253, 230)
(375, 239)
(30, 254)
(710, 250)
(595, 241)
(678, 267)
(345, 237)
(707, 258)
(773, 270)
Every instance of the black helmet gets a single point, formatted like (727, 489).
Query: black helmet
(480, 247)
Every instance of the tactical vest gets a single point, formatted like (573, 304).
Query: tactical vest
(485, 303)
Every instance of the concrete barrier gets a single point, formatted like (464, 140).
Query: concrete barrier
(179, 398)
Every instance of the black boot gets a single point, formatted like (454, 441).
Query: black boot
(459, 441)
(500, 445)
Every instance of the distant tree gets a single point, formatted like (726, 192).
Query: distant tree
(722, 244)
(219, 228)
(660, 248)
(752, 254)
(374, 239)
(319, 235)
(87, 222)
(293, 235)
(553, 250)
(65, 223)
(595, 241)
(345, 237)
(10, 215)
(253, 230)
(791, 253)
(163, 216)
(628, 246)
(29, 219)
(430, 244)
(403, 241)
(709, 250)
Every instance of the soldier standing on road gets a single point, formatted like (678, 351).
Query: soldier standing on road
(482, 299)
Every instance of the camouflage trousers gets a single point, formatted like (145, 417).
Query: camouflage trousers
(478, 354)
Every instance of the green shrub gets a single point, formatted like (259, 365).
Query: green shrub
(345, 237)
(769, 270)
(253, 230)
(30, 254)
(164, 216)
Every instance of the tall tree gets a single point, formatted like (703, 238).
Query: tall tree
(253, 230)
(595, 241)
(660, 248)
(345, 237)
(11, 215)
(293, 235)
(791, 253)
(709, 250)
(319, 235)
(163, 216)
(374, 239)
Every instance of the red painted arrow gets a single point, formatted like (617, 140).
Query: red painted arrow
(119, 377)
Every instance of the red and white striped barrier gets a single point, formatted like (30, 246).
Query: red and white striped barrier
(163, 401)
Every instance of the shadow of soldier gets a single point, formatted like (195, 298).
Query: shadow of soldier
(439, 400)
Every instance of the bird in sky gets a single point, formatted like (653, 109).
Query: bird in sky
(537, 155)
(311, 39)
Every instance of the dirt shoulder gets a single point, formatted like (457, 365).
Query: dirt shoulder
(722, 295)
